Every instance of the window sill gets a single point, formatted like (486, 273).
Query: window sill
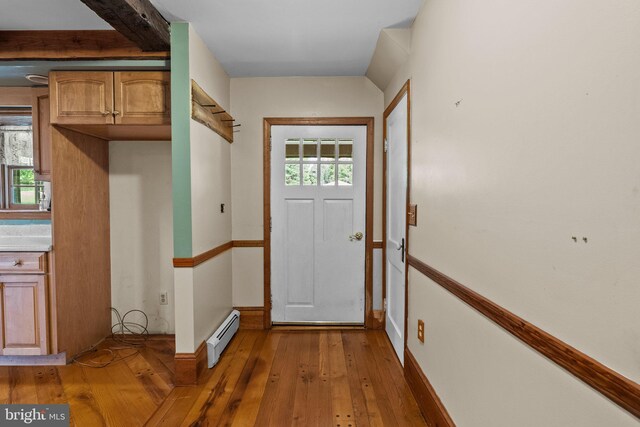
(16, 214)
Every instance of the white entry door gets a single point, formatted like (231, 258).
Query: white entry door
(318, 193)
(396, 225)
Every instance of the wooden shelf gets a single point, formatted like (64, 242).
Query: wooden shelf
(207, 111)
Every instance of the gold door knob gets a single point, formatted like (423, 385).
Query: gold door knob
(357, 236)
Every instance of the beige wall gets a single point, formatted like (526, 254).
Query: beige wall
(256, 98)
(206, 290)
(141, 230)
(542, 147)
(211, 295)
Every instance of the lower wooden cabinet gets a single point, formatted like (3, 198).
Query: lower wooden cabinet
(23, 315)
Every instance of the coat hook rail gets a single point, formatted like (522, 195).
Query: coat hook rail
(201, 111)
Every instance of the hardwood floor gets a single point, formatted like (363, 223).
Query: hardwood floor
(278, 378)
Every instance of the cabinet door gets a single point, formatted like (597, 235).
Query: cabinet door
(81, 97)
(41, 134)
(23, 313)
(142, 98)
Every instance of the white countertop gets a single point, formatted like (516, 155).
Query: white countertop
(25, 243)
(25, 238)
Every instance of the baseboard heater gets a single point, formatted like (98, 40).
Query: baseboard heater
(221, 337)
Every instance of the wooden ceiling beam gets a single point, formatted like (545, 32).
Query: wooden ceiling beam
(137, 20)
(71, 45)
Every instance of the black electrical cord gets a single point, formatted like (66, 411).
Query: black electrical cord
(129, 335)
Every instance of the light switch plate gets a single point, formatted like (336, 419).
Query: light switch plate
(412, 215)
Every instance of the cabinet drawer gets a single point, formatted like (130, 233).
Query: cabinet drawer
(23, 262)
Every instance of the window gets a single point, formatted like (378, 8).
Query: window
(23, 191)
(19, 190)
(313, 162)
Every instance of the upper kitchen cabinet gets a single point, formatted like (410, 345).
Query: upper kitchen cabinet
(120, 105)
(81, 97)
(142, 98)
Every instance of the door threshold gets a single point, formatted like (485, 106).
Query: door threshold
(316, 326)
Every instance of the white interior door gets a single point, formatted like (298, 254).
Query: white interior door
(396, 225)
(318, 193)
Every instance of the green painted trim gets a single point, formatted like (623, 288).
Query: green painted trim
(24, 221)
(181, 141)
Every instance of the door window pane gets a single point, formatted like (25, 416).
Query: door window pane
(310, 150)
(328, 150)
(345, 150)
(292, 150)
(328, 174)
(345, 174)
(292, 174)
(310, 174)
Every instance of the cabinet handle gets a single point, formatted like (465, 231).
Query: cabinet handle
(17, 262)
(106, 113)
(116, 113)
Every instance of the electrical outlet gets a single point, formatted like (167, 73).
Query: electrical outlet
(421, 330)
(164, 298)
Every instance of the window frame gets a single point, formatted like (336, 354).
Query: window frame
(319, 161)
(17, 97)
(9, 187)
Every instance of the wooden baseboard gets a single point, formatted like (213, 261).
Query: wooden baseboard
(251, 317)
(430, 405)
(248, 243)
(203, 257)
(190, 366)
(378, 319)
(618, 388)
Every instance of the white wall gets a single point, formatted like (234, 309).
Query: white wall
(210, 187)
(256, 98)
(141, 230)
(541, 147)
(203, 293)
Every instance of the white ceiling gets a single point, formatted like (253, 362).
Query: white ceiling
(253, 37)
(48, 15)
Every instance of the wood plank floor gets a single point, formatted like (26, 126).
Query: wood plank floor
(277, 378)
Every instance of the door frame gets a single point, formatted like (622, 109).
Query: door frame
(405, 90)
(266, 179)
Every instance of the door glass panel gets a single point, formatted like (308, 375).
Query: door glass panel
(310, 150)
(292, 150)
(292, 174)
(345, 174)
(328, 150)
(310, 174)
(328, 174)
(345, 150)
